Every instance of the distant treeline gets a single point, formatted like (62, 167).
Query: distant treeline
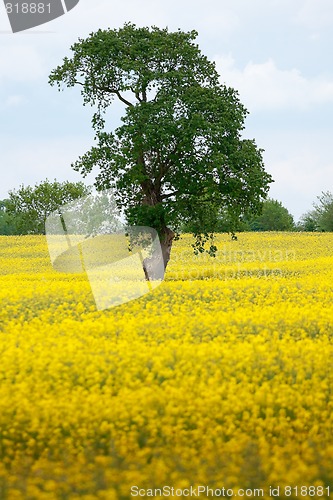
(26, 209)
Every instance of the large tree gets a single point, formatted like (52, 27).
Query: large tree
(180, 139)
(28, 206)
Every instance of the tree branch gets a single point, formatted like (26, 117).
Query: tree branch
(111, 91)
(137, 95)
(121, 98)
(144, 95)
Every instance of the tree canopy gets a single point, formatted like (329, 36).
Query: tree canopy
(274, 217)
(7, 227)
(180, 141)
(320, 218)
(28, 207)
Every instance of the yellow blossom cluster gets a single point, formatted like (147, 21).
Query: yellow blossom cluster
(222, 376)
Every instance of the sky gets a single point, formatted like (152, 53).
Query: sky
(276, 53)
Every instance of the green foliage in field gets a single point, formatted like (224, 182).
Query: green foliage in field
(320, 218)
(26, 209)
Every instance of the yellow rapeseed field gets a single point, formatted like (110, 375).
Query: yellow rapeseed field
(220, 377)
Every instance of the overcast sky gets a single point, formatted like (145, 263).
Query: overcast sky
(276, 53)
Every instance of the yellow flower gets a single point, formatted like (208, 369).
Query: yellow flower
(222, 376)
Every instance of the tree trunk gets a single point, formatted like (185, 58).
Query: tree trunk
(155, 266)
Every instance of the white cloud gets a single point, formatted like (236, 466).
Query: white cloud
(215, 17)
(299, 179)
(214, 20)
(315, 14)
(89, 16)
(13, 101)
(32, 161)
(300, 163)
(21, 63)
(263, 86)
